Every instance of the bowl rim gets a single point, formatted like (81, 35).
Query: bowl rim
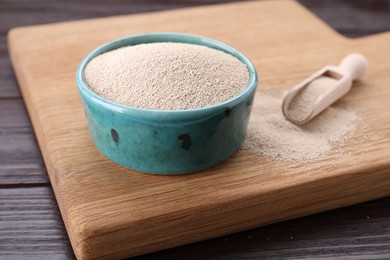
(152, 37)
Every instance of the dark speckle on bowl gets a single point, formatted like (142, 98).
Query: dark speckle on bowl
(185, 140)
(227, 112)
(114, 135)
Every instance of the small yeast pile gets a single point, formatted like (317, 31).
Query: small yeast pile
(271, 134)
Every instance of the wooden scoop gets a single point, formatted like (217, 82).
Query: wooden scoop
(352, 67)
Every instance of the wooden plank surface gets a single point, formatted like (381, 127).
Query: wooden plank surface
(31, 224)
(23, 163)
(242, 244)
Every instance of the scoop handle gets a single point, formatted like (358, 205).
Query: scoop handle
(355, 64)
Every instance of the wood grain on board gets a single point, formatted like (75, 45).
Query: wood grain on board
(112, 212)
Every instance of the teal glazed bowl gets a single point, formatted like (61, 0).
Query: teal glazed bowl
(167, 141)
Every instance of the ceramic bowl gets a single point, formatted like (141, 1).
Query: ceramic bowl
(167, 141)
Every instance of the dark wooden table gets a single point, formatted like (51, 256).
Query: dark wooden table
(30, 223)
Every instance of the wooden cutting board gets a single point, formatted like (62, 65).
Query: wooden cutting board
(112, 212)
